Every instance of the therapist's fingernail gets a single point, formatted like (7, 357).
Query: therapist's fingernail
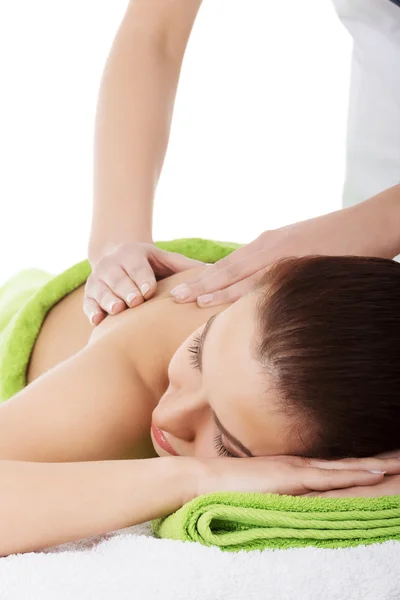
(206, 299)
(181, 292)
(378, 472)
(144, 288)
(131, 298)
(111, 306)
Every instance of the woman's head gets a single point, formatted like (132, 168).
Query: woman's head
(307, 364)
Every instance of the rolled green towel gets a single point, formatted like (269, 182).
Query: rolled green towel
(245, 521)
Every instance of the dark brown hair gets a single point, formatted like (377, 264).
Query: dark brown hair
(328, 336)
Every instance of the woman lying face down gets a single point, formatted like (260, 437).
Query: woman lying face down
(307, 364)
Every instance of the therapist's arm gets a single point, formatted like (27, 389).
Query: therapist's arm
(371, 228)
(375, 225)
(133, 119)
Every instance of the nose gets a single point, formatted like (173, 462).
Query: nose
(180, 414)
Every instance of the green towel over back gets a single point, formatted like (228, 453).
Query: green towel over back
(229, 520)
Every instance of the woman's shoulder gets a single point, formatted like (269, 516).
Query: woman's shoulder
(152, 332)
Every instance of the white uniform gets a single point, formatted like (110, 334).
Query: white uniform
(373, 138)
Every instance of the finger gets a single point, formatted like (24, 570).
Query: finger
(390, 466)
(137, 284)
(392, 454)
(232, 293)
(109, 302)
(93, 311)
(165, 263)
(238, 265)
(353, 492)
(329, 479)
(126, 284)
(174, 262)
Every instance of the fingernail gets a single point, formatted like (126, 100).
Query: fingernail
(206, 299)
(380, 472)
(181, 292)
(92, 316)
(144, 288)
(111, 306)
(131, 298)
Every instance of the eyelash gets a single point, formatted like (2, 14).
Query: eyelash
(220, 448)
(194, 352)
(195, 360)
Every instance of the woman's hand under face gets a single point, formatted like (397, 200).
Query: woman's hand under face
(293, 475)
(389, 486)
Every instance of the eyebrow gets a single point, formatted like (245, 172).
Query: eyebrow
(224, 431)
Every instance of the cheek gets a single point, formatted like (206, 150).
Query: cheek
(179, 365)
(205, 440)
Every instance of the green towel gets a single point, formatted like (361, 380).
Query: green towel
(27, 297)
(243, 521)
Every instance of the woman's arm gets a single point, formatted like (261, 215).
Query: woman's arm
(134, 114)
(93, 406)
(44, 504)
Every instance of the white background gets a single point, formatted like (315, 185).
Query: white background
(258, 136)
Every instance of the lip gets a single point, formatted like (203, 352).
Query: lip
(162, 441)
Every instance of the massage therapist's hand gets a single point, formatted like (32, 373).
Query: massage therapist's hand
(126, 275)
(369, 228)
(291, 475)
(238, 273)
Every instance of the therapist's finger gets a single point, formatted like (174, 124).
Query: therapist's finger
(93, 311)
(231, 293)
(239, 265)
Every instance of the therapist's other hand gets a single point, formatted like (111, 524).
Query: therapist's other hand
(238, 273)
(126, 275)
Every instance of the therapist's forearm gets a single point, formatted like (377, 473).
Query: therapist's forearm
(132, 128)
(370, 228)
(376, 224)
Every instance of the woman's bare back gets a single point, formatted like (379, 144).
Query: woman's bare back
(158, 321)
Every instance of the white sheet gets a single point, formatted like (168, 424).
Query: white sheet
(133, 565)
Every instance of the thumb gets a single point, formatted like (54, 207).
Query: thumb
(178, 262)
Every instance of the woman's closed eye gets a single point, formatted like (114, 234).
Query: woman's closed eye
(220, 448)
(194, 357)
